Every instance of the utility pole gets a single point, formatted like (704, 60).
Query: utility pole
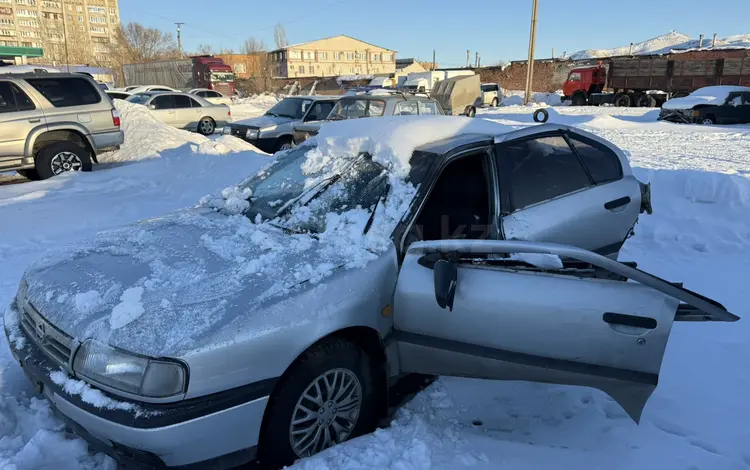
(433, 59)
(179, 39)
(65, 35)
(479, 62)
(468, 57)
(530, 65)
(476, 59)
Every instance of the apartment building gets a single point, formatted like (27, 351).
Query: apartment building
(87, 26)
(332, 57)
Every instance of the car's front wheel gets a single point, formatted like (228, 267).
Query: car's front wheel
(206, 126)
(708, 120)
(494, 102)
(325, 398)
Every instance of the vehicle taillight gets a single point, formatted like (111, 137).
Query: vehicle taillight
(229, 113)
(116, 117)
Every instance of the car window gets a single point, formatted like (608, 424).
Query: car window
(213, 94)
(7, 101)
(65, 92)
(406, 108)
(320, 111)
(163, 102)
(488, 88)
(138, 98)
(182, 101)
(574, 77)
(540, 169)
(200, 93)
(375, 108)
(428, 107)
(194, 103)
(160, 89)
(603, 164)
(746, 98)
(23, 102)
(735, 100)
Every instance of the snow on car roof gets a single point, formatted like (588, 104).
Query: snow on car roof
(719, 91)
(392, 140)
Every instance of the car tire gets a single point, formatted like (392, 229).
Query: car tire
(621, 100)
(286, 143)
(494, 103)
(206, 126)
(29, 174)
(328, 360)
(60, 157)
(541, 115)
(579, 99)
(708, 120)
(471, 111)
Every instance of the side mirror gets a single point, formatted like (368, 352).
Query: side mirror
(446, 278)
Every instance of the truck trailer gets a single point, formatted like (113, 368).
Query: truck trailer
(648, 81)
(183, 74)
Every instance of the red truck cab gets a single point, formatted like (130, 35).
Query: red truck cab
(582, 82)
(212, 73)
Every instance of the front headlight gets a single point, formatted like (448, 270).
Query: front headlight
(227, 130)
(252, 133)
(129, 373)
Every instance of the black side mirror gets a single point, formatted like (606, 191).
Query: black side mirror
(446, 278)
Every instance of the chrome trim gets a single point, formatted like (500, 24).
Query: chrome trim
(57, 345)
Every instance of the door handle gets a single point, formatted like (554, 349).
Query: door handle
(35, 120)
(617, 203)
(629, 320)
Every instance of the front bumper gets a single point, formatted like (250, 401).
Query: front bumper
(266, 144)
(219, 431)
(678, 115)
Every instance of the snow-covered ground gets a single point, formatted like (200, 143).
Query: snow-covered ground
(699, 234)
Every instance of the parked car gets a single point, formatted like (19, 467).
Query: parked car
(274, 130)
(212, 96)
(491, 94)
(459, 96)
(118, 95)
(145, 88)
(215, 340)
(184, 111)
(53, 123)
(128, 88)
(374, 103)
(710, 105)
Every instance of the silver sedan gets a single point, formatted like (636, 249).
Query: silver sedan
(184, 110)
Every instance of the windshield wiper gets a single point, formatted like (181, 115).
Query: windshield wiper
(269, 113)
(315, 191)
(383, 196)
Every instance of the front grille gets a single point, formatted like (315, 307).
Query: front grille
(56, 344)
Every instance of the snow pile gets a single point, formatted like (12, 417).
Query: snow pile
(89, 395)
(353, 78)
(253, 106)
(515, 98)
(392, 140)
(147, 137)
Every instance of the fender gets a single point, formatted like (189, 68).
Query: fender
(69, 126)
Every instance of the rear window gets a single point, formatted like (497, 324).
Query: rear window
(603, 164)
(66, 92)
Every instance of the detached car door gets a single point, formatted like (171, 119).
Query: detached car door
(566, 188)
(461, 311)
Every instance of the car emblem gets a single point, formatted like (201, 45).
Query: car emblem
(41, 330)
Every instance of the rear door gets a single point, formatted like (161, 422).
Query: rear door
(18, 117)
(590, 327)
(163, 109)
(566, 189)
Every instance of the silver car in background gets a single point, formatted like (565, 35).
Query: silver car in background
(184, 111)
(274, 130)
(215, 340)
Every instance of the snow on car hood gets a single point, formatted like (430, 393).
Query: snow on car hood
(158, 286)
(711, 95)
(264, 121)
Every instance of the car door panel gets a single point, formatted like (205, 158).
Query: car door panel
(599, 332)
(19, 116)
(598, 218)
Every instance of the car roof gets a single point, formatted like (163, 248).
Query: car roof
(315, 97)
(396, 96)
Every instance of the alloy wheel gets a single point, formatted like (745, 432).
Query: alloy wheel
(207, 127)
(326, 413)
(65, 161)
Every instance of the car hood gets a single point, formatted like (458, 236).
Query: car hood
(264, 121)
(162, 286)
(689, 102)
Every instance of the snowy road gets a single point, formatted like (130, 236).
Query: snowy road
(699, 234)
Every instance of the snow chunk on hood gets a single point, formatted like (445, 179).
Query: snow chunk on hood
(710, 95)
(392, 140)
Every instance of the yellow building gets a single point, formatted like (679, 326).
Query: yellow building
(332, 57)
(87, 25)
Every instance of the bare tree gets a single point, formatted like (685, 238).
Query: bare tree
(144, 44)
(252, 46)
(205, 49)
(279, 36)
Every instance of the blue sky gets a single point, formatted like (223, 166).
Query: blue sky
(497, 29)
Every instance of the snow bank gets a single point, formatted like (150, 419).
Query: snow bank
(253, 106)
(147, 137)
(392, 140)
(515, 97)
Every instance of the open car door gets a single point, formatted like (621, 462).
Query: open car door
(593, 321)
